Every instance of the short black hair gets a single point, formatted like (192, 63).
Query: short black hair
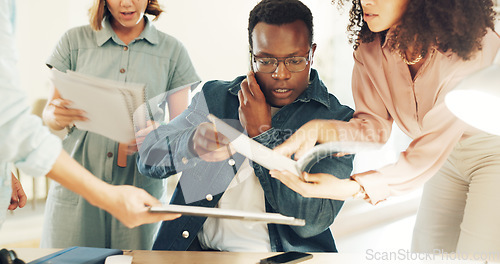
(279, 12)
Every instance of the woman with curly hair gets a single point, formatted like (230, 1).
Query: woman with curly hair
(408, 55)
(120, 44)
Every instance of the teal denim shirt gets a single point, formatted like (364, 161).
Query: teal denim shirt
(165, 152)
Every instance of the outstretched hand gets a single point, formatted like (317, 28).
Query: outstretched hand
(306, 137)
(130, 206)
(319, 185)
(60, 113)
(134, 145)
(211, 145)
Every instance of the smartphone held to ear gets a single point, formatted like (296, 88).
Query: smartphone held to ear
(287, 257)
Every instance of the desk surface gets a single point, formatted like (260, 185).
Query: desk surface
(211, 257)
(205, 257)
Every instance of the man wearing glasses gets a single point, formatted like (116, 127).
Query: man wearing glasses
(281, 94)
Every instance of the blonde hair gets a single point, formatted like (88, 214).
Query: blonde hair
(98, 11)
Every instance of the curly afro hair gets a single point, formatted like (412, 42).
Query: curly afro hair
(456, 25)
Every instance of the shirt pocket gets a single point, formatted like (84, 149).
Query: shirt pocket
(62, 195)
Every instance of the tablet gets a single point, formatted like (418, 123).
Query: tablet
(274, 218)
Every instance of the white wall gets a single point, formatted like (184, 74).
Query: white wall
(214, 32)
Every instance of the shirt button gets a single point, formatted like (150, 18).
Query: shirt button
(125, 48)
(122, 70)
(231, 162)
(209, 197)
(110, 154)
(185, 234)
(184, 160)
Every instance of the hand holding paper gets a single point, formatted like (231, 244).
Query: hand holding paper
(273, 160)
(209, 144)
(113, 108)
(61, 112)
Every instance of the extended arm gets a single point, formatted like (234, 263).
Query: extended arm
(318, 213)
(127, 203)
(166, 150)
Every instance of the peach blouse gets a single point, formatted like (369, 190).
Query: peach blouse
(384, 92)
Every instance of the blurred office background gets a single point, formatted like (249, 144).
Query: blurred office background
(215, 34)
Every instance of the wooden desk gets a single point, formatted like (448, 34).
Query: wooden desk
(199, 257)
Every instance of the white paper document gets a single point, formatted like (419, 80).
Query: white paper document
(228, 213)
(274, 161)
(113, 108)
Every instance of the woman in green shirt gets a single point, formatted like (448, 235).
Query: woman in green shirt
(119, 44)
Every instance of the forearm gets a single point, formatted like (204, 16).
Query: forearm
(178, 102)
(128, 204)
(421, 160)
(76, 178)
(165, 152)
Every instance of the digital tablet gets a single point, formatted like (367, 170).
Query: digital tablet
(274, 218)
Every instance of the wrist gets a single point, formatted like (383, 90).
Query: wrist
(360, 193)
(56, 125)
(256, 131)
(99, 195)
(327, 131)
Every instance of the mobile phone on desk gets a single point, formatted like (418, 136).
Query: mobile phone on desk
(287, 257)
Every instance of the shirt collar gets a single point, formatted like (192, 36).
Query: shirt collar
(149, 33)
(316, 90)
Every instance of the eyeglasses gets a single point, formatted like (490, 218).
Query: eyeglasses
(270, 64)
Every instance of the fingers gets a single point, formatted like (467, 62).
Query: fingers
(18, 198)
(148, 217)
(22, 198)
(300, 142)
(70, 114)
(254, 87)
(209, 144)
(130, 205)
(291, 181)
(290, 146)
(241, 98)
(64, 115)
(132, 149)
(209, 138)
(13, 203)
(150, 127)
(312, 178)
(244, 95)
(140, 136)
(59, 102)
(150, 201)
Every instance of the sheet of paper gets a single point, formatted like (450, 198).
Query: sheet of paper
(324, 150)
(228, 213)
(274, 161)
(254, 150)
(109, 105)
